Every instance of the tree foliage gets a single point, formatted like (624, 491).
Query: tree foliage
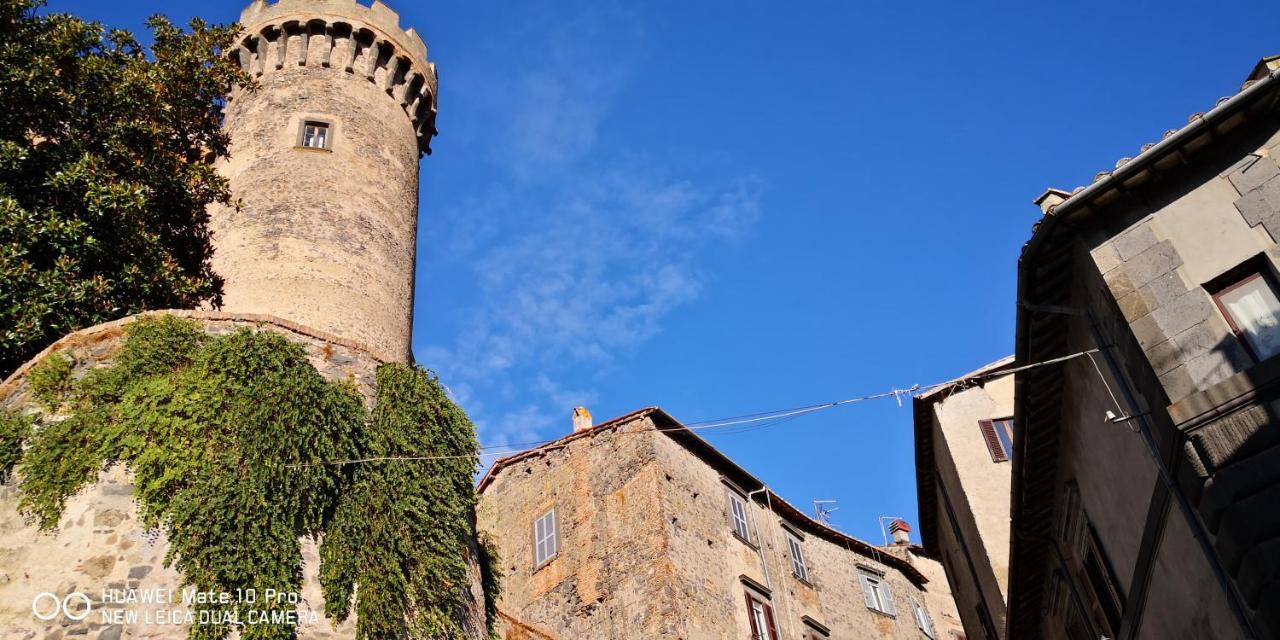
(232, 440)
(105, 173)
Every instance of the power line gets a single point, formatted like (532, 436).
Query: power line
(767, 418)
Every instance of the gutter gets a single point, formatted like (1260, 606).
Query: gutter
(1212, 118)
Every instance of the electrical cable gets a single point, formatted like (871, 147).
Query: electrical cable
(769, 418)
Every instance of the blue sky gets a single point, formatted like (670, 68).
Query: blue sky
(730, 207)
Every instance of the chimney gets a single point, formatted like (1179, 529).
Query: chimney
(1050, 199)
(581, 419)
(901, 532)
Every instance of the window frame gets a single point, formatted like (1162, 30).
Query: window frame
(327, 138)
(552, 539)
(992, 430)
(738, 503)
(1256, 268)
(765, 611)
(795, 549)
(923, 621)
(876, 593)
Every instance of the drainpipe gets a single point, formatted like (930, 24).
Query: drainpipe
(764, 564)
(1166, 475)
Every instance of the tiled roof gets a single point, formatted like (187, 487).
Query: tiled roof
(1263, 69)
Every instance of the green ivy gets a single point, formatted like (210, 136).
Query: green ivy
(15, 428)
(50, 381)
(490, 563)
(229, 439)
(401, 526)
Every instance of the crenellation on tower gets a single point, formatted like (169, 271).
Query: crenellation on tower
(362, 40)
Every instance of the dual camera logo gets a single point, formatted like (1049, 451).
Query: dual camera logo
(75, 606)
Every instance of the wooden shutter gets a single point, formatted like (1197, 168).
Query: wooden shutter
(888, 598)
(866, 592)
(768, 620)
(751, 619)
(998, 454)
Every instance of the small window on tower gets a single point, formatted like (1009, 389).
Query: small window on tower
(315, 135)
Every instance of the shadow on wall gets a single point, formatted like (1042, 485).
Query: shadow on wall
(1230, 469)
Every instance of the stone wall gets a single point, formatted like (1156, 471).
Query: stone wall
(1157, 266)
(647, 550)
(100, 543)
(326, 236)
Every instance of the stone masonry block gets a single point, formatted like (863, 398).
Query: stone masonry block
(1106, 257)
(1156, 261)
(1197, 341)
(1165, 357)
(1217, 364)
(1119, 283)
(1133, 306)
(1147, 332)
(1253, 207)
(1192, 308)
(1177, 383)
(1163, 290)
(1253, 174)
(1134, 241)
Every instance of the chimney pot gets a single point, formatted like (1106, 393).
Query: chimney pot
(901, 532)
(581, 419)
(1050, 199)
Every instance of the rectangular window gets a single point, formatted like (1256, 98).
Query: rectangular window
(544, 538)
(798, 567)
(738, 515)
(760, 615)
(1252, 309)
(1102, 581)
(876, 592)
(998, 434)
(922, 618)
(315, 135)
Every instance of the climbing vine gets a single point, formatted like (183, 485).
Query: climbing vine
(231, 441)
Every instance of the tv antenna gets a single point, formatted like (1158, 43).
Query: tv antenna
(822, 513)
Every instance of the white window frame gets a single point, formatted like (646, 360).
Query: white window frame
(739, 517)
(922, 618)
(325, 137)
(546, 538)
(876, 592)
(795, 547)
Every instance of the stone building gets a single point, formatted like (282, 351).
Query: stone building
(1146, 478)
(638, 528)
(964, 452)
(324, 157)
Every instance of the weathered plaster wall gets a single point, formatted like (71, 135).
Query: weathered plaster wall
(977, 490)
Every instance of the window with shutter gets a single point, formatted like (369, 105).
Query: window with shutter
(545, 543)
(993, 440)
(760, 617)
(875, 591)
(798, 567)
(922, 618)
(738, 515)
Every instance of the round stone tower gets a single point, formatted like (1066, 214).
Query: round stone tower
(324, 163)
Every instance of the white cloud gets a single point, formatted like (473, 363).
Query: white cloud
(576, 254)
(593, 273)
